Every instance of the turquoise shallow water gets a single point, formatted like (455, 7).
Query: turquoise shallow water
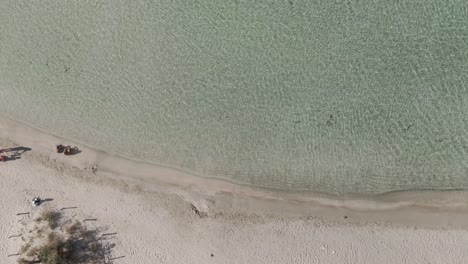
(330, 96)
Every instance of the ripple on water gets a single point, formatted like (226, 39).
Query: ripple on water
(313, 96)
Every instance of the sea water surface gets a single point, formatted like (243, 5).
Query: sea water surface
(296, 95)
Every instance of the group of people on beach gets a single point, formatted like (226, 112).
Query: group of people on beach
(67, 150)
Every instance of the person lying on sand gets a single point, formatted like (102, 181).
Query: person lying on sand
(67, 150)
(60, 148)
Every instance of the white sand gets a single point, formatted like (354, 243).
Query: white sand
(154, 221)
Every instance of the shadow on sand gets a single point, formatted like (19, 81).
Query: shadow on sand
(16, 152)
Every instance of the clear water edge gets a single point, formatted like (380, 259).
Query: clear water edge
(439, 199)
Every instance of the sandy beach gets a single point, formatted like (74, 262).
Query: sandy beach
(234, 131)
(180, 218)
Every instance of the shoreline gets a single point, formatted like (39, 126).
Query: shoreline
(155, 222)
(420, 208)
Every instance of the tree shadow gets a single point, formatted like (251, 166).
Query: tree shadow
(90, 247)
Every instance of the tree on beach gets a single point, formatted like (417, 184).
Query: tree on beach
(52, 238)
